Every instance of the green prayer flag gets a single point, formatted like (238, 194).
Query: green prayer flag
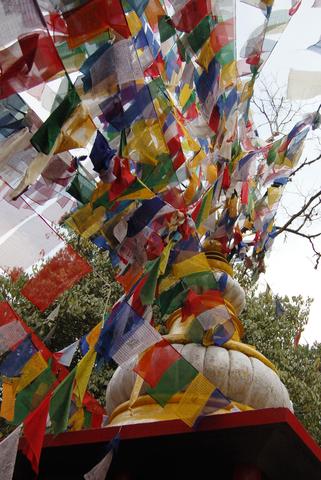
(81, 188)
(200, 33)
(88, 419)
(147, 293)
(60, 403)
(45, 137)
(195, 332)
(273, 151)
(203, 280)
(122, 143)
(166, 29)
(158, 177)
(226, 54)
(30, 397)
(176, 378)
(172, 299)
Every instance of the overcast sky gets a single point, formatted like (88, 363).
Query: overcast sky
(290, 266)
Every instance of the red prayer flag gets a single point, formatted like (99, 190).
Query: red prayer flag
(31, 60)
(124, 178)
(196, 304)
(34, 432)
(93, 18)
(155, 361)
(7, 315)
(59, 274)
(245, 193)
(191, 14)
(226, 182)
(222, 34)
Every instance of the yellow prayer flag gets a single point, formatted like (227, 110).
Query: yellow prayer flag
(195, 264)
(134, 23)
(9, 388)
(206, 55)
(76, 131)
(247, 91)
(200, 155)
(100, 190)
(86, 221)
(76, 422)
(34, 367)
(146, 142)
(184, 95)
(166, 283)
(143, 193)
(191, 189)
(83, 372)
(274, 194)
(194, 399)
(228, 74)
(136, 391)
(211, 173)
(93, 335)
(165, 257)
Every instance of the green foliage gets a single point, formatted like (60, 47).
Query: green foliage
(274, 335)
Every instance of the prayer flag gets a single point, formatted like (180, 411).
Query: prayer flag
(31, 60)
(191, 14)
(175, 379)
(45, 138)
(279, 309)
(31, 370)
(9, 387)
(60, 403)
(101, 153)
(13, 363)
(65, 356)
(34, 428)
(154, 362)
(83, 372)
(195, 264)
(194, 399)
(144, 215)
(99, 471)
(134, 342)
(32, 395)
(10, 334)
(147, 294)
(8, 453)
(92, 18)
(59, 274)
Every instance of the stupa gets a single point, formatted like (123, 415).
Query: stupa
(241, 372)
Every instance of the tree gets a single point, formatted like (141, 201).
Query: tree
(276, 114)
(274, 324)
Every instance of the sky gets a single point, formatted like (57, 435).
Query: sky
(290, 265)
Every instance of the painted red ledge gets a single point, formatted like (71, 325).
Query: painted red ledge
(251, 418)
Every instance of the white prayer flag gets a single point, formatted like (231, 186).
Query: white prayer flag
(8, 454)
(65, 356)
(10, 334)
(132, 344)
(214, 316)
(100, 470)
(303, 85)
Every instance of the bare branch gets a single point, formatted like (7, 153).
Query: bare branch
(299, 213)
(304, 164)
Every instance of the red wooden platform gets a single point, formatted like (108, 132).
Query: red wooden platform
(272, 440)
